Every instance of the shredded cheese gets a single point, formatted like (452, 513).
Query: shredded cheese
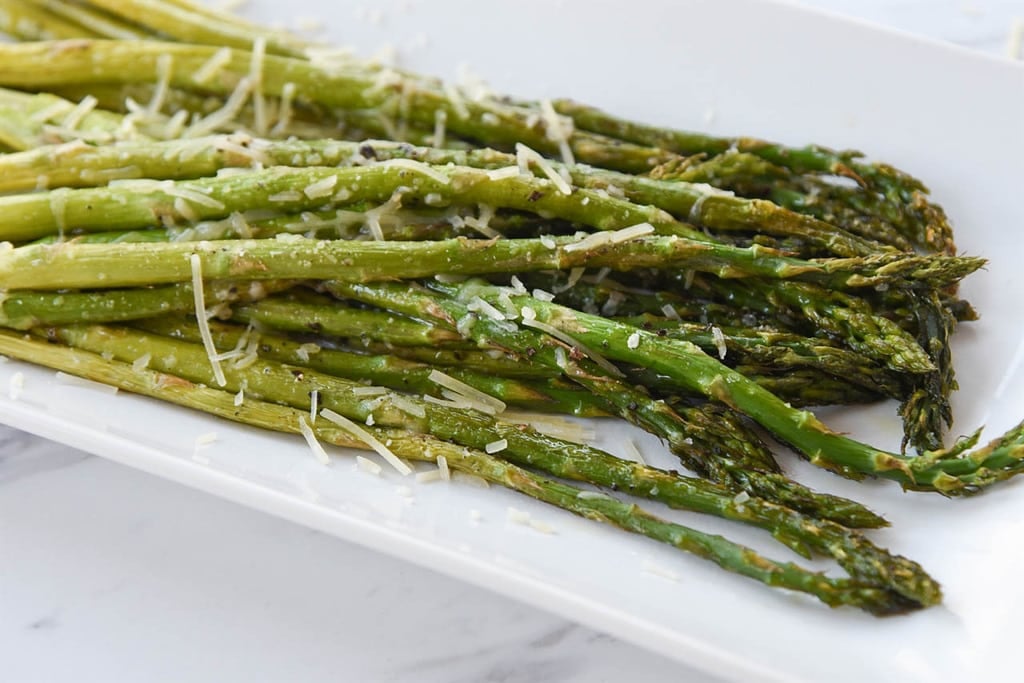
(496, 446)
(321, 188)
(367, 438)
(419, 167)
(212, 66)
(75, 116)
(225, 114)
(199, 298)
(526, 156)
(314, 445)
(719, 338)
(369, 466)
(486, 402)
(164, 67)
(568, 339)
(16, 385)
(440, 121)
(259, 103)
(442, 467)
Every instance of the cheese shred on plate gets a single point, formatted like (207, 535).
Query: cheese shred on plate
(367, 438)
(314, 445)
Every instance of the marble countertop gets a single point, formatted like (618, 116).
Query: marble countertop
(110, 574)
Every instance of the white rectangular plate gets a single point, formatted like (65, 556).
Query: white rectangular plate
(731, 66)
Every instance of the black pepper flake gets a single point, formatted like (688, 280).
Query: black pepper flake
(368, 151)
(535, 195)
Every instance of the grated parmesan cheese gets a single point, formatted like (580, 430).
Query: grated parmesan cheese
(142, 362)
(284, 111)
(407, 406)
(199, 299)
(582, 348)
(558, 129)
(369, 466)
(418, 167)
(526, 156)
(164, 67)
(225, 114)
(455, 99)
(16, 385)
(442, 468)
(719, 338)
(212, 66)
(487, 403)
(240, 397)
(670, 312)
(206, 439)
(259, 103)
(428, 476)
(314, 445)
(367, 438)
(440, 121)
(314, 403)
(369, 391)
(321, 188)
(496, 446)
(81, 110)
(633, 341)
(503, 173)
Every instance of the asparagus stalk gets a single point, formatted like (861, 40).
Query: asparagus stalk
(880, 583)
(346, 86)
(760, 351)
(115, 265)
(737, 461)
(93, 23)
(895, 187)
(293, 386)
(26, 20)
(186, 22)
(30, 120)
(951, 471)
(25, 310)
(183, 159)
(387, 370)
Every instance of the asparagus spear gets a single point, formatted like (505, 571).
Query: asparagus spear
(25, 310)
(25, 123)
(880, 583)
(896, 188)
(760, 350)
(737, 462)
(292, 386)
(188, 23)
(952, 471)
(182, 159)
(387, 370)
(93, 23)
(26, 20)
(79, 265)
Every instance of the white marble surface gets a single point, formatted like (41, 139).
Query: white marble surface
(109, 574)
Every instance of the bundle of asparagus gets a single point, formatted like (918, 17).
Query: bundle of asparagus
(241, 244)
